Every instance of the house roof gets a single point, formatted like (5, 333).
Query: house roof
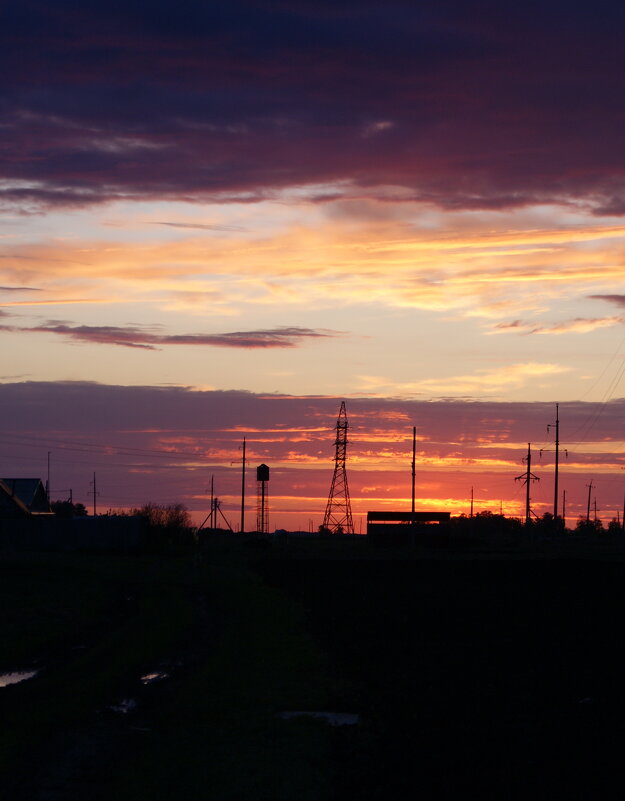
(10, 503)
(30, 492)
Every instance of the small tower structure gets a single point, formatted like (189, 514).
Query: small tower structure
(262, 498)
(338, 514)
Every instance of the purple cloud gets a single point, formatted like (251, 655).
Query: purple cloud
(161, 443)
(201, 226)
(515, 325)
(131, 337)
(579, 325)
(465, 106)
(617, 300)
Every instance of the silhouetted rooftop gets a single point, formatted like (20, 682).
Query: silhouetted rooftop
(31, 493)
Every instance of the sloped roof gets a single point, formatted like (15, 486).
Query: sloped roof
(30, 492)
(10, 504)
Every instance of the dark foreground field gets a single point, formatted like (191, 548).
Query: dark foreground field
(498, 675)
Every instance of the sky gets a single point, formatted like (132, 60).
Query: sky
(220, 221)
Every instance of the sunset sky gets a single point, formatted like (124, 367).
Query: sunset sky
(220, 220)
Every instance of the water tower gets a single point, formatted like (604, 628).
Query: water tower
(262, 516)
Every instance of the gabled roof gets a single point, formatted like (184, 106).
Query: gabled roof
(10, 504)
(30, 492)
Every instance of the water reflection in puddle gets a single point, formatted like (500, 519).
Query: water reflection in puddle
(14, 677)
(151, 678)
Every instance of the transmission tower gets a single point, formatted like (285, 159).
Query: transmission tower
(338, 516)
(527, 478)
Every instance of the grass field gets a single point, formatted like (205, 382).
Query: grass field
(236, 655)
(491, 673)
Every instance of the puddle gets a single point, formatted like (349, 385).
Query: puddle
(16, 676)
(152, 678)
(125, 706)
(333, 718)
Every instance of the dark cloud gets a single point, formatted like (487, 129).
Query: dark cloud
(468, 105)
(19, 289)
(89, 406)
(617, 300)
(131, 337)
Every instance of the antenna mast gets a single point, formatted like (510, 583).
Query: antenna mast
(338, 514)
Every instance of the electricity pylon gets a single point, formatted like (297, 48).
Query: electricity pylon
(338, 515)
(527, 479)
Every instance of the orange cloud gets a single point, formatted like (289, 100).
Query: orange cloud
(331, 262)
(483, 381)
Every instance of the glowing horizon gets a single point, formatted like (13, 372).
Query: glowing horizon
(139, 458)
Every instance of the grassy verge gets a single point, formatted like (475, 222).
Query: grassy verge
(237, 652)
(216, 732)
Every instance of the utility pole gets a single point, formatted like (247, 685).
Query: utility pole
(588, 507)
(623, 514)
(471, 515)
(414, 463)
(564, 509)
(48, 480)
(527, 479)
(95, 494)
(243, 491)
(556, 425)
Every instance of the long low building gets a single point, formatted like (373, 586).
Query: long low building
(405, 528)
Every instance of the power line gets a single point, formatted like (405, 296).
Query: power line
(85, 447)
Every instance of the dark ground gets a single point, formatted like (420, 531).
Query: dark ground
(494, 674)
(485, 675)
